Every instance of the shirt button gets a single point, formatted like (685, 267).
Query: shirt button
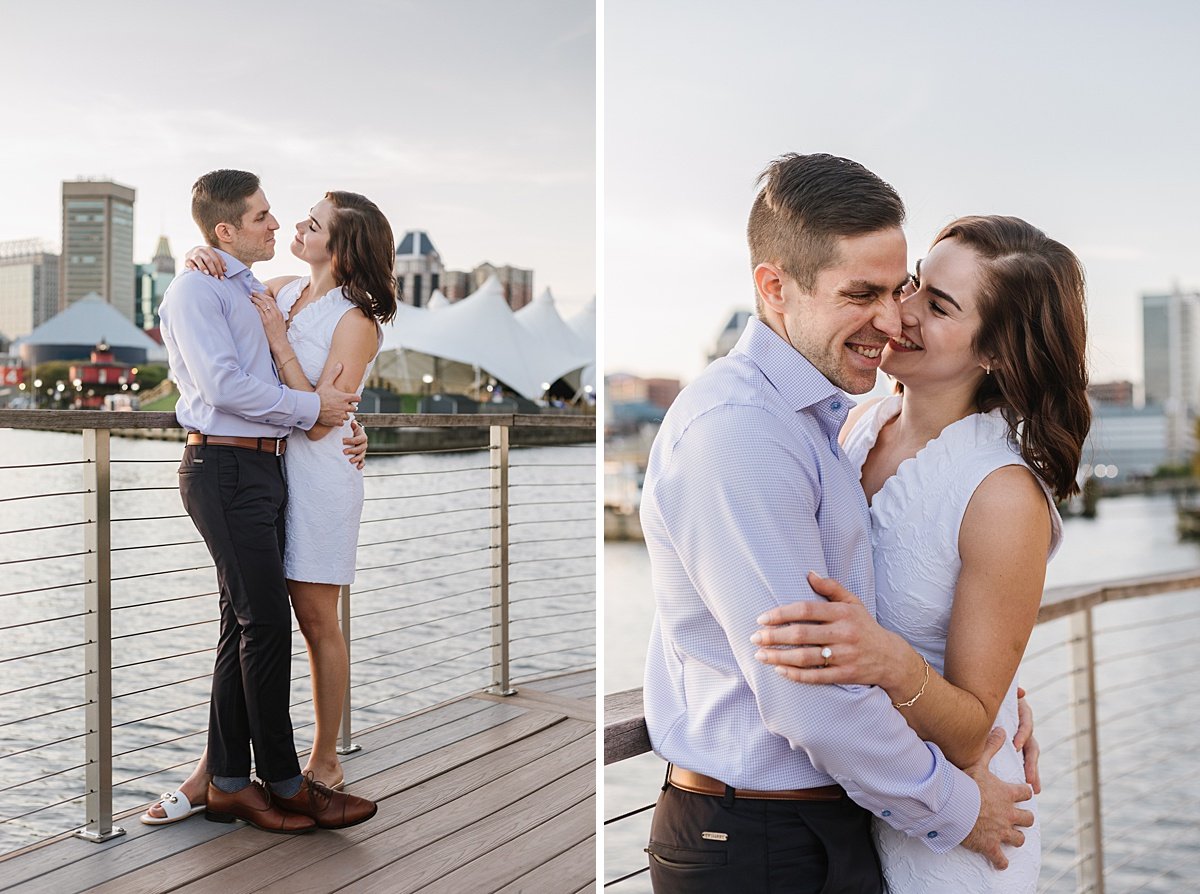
(836, 405)
(931, 835)
(887, 813)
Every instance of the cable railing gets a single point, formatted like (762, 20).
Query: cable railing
(1094, 672)
(109, 609)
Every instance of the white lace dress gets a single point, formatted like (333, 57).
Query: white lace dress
(325, 492)
(915, 519)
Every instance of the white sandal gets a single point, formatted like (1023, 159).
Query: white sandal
(176, 807)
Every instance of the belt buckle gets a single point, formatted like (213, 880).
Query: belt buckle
(279, 446)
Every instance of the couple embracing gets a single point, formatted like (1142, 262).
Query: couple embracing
(844, 593)
(268, 375)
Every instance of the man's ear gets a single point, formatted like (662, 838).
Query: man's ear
(224, 232)
(768, 280)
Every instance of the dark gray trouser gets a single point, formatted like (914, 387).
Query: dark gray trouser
(236, 499)
(781, 847)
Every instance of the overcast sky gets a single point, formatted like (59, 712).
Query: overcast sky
(1079, 117)
(471, 119)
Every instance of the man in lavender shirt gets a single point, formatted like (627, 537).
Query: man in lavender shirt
(771, 785)
(238, 417)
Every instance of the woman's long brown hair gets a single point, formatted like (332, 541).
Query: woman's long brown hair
(360, 243)
(1034, 330)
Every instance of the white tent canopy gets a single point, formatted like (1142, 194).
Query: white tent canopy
(523, 350)
(560, 350)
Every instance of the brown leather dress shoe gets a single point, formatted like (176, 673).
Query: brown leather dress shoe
(255, 805)
(330, 809)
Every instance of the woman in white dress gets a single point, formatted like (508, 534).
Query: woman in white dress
(330, 317)
(961, 469)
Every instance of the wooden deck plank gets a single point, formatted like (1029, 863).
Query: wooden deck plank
(472, 839)
(423, 731)
(564, 681)
(543, 701)
(202, 861)
(183, 842)
(530, 849)
(576, 866)
(305, 853)
(501, 795)
(474, 759)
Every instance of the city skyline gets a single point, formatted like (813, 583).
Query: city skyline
(484, 137)
(1069, 115)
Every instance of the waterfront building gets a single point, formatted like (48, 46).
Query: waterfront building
(97, 244)
(1119, 394)
(1133, 442)
(623, 388)
(516, 283)
(28, 286)
(457, 285)
(72, 334)
(418, 268)
(101, 376)
(152, 282)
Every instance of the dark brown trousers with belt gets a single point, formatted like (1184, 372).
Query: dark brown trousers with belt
(707, 844)
(236, 498)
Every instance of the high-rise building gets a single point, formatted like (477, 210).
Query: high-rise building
(152, 282)
(28, 286)
(97, 244)
(418, 268)
(1171, 352)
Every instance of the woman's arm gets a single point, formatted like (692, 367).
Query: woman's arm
(1003, 542)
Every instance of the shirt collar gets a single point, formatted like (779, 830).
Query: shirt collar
(234, 268)
(794, 377)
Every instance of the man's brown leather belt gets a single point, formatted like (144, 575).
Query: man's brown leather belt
(699, 784)
(275, 446)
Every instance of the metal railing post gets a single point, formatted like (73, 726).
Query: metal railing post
(498, 456)
(346, 746)
(1089, 842)
(98, 633)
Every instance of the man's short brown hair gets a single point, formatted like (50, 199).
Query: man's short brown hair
(220, 197)
(806, 202)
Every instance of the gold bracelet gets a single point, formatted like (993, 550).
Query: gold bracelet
(285, 363)
(912, 701)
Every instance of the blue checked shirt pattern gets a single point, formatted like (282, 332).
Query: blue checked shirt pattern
(746, 491)
(221, 362)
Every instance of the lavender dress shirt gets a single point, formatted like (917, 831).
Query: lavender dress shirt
(221, 362)
(746, 491)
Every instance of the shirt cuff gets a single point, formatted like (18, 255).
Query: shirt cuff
(308, 408)
(946, 828)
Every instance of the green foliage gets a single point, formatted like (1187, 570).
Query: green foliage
(55, 370)
(164, 404)
(1183, 470)
(151, 375)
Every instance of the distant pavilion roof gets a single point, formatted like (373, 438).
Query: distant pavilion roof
(89, 320)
